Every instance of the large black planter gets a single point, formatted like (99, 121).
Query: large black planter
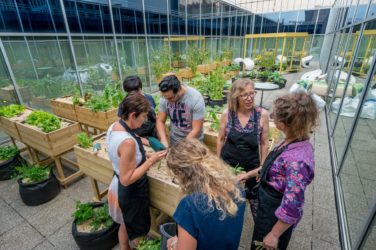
(263, 79)
(281, 84)
(99, 240)
(7, 167)
(37, 193)
(219, 103)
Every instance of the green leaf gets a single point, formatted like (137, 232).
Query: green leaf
(11, 110)
(43, 120)
(8, 152)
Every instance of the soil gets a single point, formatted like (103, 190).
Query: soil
(86, 227)
(67, 99)
(22, 116)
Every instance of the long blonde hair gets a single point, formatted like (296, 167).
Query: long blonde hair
(236, 89)
(200, 171)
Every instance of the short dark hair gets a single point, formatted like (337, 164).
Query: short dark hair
(134, 102)
(170, 82)
(132, 83)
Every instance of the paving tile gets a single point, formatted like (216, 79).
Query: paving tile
(9, 217)
(62, 238)
(22, 236)
(300, 241)
(57, 214)
(369, 188)
(45, 245)
(80, 190)
(318, 244)
(323, 197)
(9, 192)
(325, 226)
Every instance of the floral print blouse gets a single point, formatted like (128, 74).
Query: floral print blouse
(249, 127)
(290, 174)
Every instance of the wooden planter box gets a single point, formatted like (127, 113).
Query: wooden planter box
(8, 125)
(213, 66)
(63, 107)
(40, 102)
(186, 73)
(9, 94)
(203, 68)
(52, 144)
(164, 194)
(230, 74)
(210, 137)
(100, 119)
(226, 63)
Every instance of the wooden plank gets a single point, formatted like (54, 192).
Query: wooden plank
(101, 120)
(63, 109)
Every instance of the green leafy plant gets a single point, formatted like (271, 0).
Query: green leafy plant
(264, 75)
(98, 103)
(11, 110)
(113, 94)
(237, 169)
(32, 173)
(149, 244)
(84, 140)
(196, 56)
(232, 67)
(8, 152)
(160, 62)
(210, 110)
(43, 120)
(265, 61)
(228, 53)
(99, 217)
(215, 84)
(199, 82)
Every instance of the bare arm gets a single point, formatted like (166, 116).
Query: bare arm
(271, 239)
(128, 173)
(161, 127)
(222, 132)
(184, 241)
(196, 128)
(264, 140)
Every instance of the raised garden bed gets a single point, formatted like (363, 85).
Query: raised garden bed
(8, 125)
(9, 94)
(100, 119)
(63, 107)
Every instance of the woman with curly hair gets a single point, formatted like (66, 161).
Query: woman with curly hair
(210, 216)
(286, 173)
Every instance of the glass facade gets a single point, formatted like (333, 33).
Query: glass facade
(351, 120)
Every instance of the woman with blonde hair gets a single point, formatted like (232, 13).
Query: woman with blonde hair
(210, 216)
(287, 171)
(243, 134)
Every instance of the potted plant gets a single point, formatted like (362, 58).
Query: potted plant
(276, 78)
(150, 244)
(9, 159)
(264, 75)
(37, 184)
(93, 227)
(215, 83)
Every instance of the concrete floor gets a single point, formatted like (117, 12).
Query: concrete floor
(48, 226)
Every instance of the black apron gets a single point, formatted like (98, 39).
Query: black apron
(134, 199)
(269, 200)
(242, 149)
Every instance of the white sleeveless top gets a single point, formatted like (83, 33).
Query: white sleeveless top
(113, 141)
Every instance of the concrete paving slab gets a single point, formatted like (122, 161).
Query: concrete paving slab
(300, 241)
(325, 226)
(323, 197)
(62, 238)
(9, 192)
(320, 245)
(23, 236)
(9, 217)
(56, 214)
(45, 245)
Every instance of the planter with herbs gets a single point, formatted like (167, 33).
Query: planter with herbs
(215, 84)
(93, 227)
(64, 107)
(9, 116)
(211, 126)
(9, 159)
(37, 184)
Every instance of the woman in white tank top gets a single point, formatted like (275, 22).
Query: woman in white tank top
(128, 194)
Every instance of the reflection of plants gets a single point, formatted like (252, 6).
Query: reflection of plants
(43, 120)
(11, 110)
(160, 61)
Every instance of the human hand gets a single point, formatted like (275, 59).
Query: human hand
(171, 243)
(157, 156)
(270, 241)
(242, 177)
(165, 143)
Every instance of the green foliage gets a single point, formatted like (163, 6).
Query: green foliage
(228, 53)
(160, 62)
(149, 244)
(11, 110)
(43, 120)
(264, 74)
(215, 123)
(199, 82)
(113, 94)
(232, 67)
(210, 110)
(265, 61)
(32, 173)
(215, 83)
(84, 140)
(98, 103)
(99, 217)
(8, 152)
(237, 169)
(156, 99)
(196, 56)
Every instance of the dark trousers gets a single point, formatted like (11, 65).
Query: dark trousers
(266, 219)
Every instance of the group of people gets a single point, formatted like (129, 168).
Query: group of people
(211, 212)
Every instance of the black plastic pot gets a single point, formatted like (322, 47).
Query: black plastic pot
(37, 193)
(7, 167)
(281, 83)
(263, 79)
(167, 230)
(100, 240)
(219, 103)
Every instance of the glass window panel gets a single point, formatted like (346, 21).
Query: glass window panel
(7, 92)
(9, 21)
(71, 13)
(358, 174)
(351, 12)
(361, 12)
(370, 241)
(270, 23)
(57, 15)
(35, 16)
(372, 9)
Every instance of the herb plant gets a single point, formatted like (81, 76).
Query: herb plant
(215, 82)
(32, 173)
(11, 110)
(237, 169)
(98, 103)
(43, 120)
(160, 62)
(99, 217)
(8, 152)
(84, 140)
(149, 244)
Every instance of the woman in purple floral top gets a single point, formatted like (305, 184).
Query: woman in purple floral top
(287, 171)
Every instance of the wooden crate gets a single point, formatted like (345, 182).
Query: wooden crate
(186, 73)
(52, 144)
(210, 137)
(203, 68)
(100, 119)
(63, 107)
(8, 125)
